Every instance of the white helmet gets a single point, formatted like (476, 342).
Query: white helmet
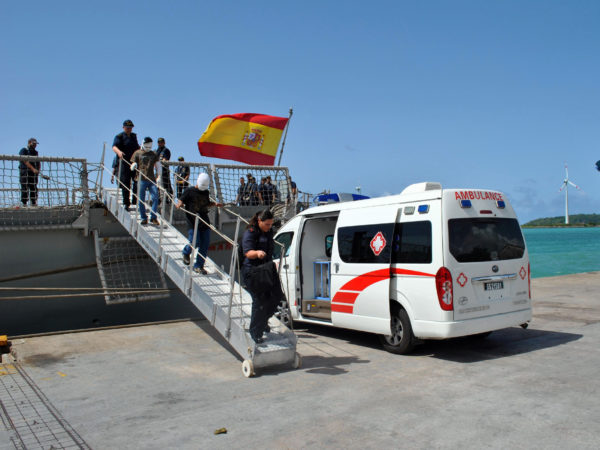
(203, 182)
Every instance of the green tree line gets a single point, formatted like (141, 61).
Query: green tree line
(575, 219)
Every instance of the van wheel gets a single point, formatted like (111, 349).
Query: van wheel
(401, 340)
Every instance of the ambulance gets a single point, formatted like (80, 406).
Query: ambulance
(429, 263)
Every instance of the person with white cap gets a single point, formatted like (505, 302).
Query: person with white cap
(196, 201)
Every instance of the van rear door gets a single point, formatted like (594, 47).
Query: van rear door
(360, 268)
(486, 255)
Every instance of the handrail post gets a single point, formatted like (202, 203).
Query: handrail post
(172, 208)
(119, 182)
(194, 251)
(86, 197)
(232, 267)
(162, 218)
(138, 198)
(101, 174)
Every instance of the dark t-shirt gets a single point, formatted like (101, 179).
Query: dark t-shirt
(127, 144)
(28, 151)
(255, 239)
(182, 172)
(146, 160)
(165, 154)
(196, 201)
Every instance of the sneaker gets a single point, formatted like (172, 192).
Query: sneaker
(154, 222)
(259, 340)
(144, 222)
(200, 270)
(186, 259)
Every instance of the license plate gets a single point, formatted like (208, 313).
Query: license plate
(493, 286)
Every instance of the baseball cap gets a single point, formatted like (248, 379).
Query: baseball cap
(147, 139)
(180, 158)
(160, 140)
(128, 123)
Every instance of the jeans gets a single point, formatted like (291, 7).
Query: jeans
(145, 184)
(202, 241)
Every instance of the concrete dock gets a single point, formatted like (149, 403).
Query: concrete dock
(173, 385)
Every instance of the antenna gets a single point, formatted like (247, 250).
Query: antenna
(565, 186)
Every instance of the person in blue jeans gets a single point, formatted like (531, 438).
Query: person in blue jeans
(196, 201)
(148, 164)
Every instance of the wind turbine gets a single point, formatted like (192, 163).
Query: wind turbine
(565, 186)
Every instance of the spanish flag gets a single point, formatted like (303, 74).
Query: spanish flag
(249, 138)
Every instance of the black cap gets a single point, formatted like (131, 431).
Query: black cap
(147, 139)
(160, 140)
(180, 158)
(128, 123)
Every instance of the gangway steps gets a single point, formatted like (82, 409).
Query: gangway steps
(211, 293)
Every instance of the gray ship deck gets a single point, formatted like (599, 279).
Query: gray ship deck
(172, 386)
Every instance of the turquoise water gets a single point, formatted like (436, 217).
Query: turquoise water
(560, 251)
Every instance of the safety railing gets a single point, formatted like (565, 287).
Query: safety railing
(55, 184)
(166, 215)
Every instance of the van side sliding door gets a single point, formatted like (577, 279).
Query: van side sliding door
(360, 268)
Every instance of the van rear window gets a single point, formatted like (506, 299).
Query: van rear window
(485, 239)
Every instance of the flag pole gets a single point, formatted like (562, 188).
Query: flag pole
(285, 135)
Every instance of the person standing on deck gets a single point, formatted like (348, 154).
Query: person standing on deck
(125, 145)
(28, 173)
(182, 175)
(164, 155)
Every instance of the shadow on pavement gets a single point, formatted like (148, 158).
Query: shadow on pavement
(500, 344)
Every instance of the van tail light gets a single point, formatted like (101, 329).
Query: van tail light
(529, 279)
(443, 284)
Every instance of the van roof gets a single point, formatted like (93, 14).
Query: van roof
(428, 190)
(417, 192)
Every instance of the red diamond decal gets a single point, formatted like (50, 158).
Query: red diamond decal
(523, 273)
(378, 243)
(462, 279)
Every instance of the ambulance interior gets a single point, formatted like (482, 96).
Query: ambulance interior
(315, 266)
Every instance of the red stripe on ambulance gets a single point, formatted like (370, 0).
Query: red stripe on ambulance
(360, 283)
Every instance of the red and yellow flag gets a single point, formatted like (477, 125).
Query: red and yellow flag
(247, 137)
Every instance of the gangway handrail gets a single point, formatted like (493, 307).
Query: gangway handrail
(235, 264)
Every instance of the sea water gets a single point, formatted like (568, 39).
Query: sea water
(561, 251)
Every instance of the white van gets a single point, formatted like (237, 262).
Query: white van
(429, 263)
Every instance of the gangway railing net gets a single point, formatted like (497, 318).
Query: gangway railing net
(63, 184)
(226, 186)
(124, 265)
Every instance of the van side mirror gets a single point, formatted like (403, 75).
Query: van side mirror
(328, 245)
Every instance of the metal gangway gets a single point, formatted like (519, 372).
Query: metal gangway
(218, 296)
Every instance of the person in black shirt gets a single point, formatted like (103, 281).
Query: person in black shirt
(28, 173)
(125, 145)
(182, 175)
(259, 274)
(195, 200)
(164, 155)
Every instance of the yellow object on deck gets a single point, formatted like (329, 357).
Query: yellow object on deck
(3, 340)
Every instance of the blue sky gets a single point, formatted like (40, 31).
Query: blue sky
(485, 94)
